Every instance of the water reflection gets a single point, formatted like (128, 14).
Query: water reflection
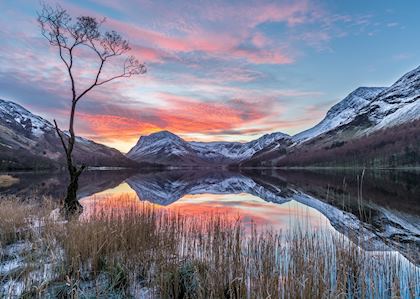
(31, 185)
(382, 209)
(164, 188)
(251, 209)
(244, 207)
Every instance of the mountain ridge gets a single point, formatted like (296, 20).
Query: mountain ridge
(167, 148)
(360, 120)
(341, 113)
(363, 112)
(28, 141)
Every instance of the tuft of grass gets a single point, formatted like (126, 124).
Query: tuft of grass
(7, 180)
(138, 249)
(13, 221)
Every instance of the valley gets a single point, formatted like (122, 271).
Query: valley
(382, 123)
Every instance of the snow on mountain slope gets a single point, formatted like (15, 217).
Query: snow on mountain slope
(235, 150)
(166, 147)
(264, 141)
(397, 104)
(14, 114)
(153, 143)
(342, 113)
(163, 147)
(363, 112)
(29, 141)
(383, 107)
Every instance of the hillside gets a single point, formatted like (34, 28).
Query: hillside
(28, 141)
(167, 148)
(372, 127)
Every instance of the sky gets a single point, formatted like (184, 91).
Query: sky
(217, 70)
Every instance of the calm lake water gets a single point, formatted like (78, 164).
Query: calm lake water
(374, 209)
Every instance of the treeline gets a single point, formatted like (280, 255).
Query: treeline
(392, 147)
(20, 159)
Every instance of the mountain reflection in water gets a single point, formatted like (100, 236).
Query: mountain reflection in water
(382, 208)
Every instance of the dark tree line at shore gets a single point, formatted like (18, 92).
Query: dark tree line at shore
(391, 147)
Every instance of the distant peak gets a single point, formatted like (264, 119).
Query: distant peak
(356, 99)
(365, 89)
(13, 104)
(416, 70)
(363, 92)
(410, 77)
(157, 136)
(163, 134)
(275, 135)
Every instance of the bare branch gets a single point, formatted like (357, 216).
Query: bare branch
(131, 67)
(80, 170)
(61, 137)
(95, 83)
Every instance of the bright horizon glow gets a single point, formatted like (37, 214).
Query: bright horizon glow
(226, 71)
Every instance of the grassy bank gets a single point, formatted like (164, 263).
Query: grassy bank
(144, 252)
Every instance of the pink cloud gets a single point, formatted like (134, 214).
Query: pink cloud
(292, 13)
(221, 44)
(264, 56)
(259, 40)
(251, 14)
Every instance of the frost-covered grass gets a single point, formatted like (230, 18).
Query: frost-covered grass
(141, 251)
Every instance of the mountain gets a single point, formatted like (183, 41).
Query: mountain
(28, 141)
(167, 148)
(369, 109)
(341, 113)
(382, 107)
(372, 126)
(397, 104)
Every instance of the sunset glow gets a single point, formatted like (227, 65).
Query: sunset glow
(225, 70)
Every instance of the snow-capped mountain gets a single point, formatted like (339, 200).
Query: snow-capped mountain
(236, 151)
(341, 113)
(397, 104)
(163, 147)
(29, 141)
(167, 148)
(364, 111)
(382, 106)
(361, 118)
(15, 115)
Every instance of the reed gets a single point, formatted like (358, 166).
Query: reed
(139, 250)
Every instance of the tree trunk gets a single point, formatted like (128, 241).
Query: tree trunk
(71, 203)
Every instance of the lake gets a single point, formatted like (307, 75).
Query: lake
(379, 210)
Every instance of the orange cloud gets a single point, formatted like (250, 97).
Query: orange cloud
(182, 115)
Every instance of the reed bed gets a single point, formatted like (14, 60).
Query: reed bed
(141, 251)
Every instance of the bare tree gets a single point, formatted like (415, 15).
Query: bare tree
(67, 35)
